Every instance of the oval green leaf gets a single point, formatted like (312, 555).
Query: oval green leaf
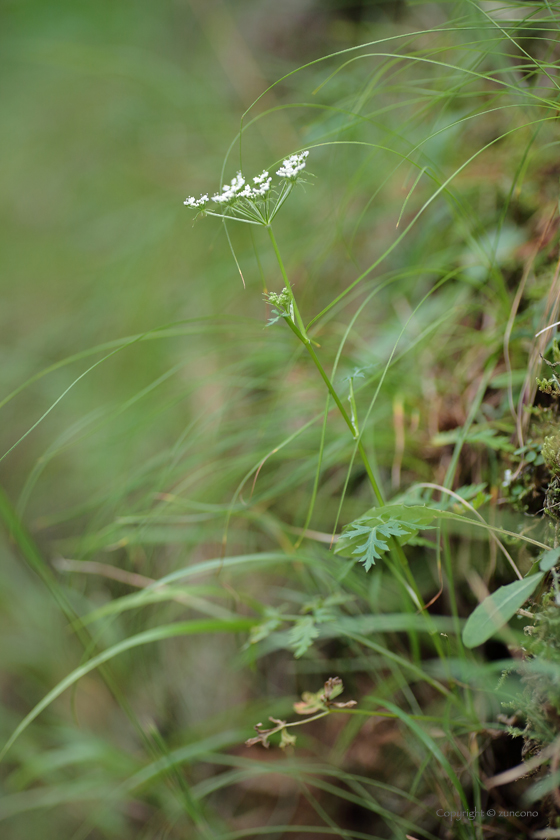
(549, 559)
(497, 609)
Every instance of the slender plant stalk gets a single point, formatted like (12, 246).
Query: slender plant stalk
(308, 346)
(303, 337)
(301, 334)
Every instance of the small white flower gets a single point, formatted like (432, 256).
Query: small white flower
(292, 166)
(230, 191)
(240, 189)
(191, 201)
(263, 188)
(222, 198)
(237, 183)
(253, 201)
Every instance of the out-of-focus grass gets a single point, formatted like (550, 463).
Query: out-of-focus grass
(113, 113)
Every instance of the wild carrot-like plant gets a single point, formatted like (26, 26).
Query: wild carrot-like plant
(399, 371)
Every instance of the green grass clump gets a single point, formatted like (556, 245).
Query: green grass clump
(251, 461)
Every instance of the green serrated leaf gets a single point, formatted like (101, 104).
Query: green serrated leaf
(497, 609)
(275, 316)
(375, 545)
(302, 635)
(367, 537)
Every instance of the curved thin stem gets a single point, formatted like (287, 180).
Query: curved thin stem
(308, 346)
(298, 317)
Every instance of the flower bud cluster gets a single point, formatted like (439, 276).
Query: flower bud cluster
(283, 299)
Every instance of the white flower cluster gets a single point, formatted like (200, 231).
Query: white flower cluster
(263, 182)
(292, 166)
(191, 201)
(240, 189)
(230, 191)
(237, 189)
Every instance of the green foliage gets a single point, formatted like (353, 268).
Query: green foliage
(176, 475)
(551, 453)
(549, 386)
(496, 610)
(377, 527)
(549, 559)
(322, 701)
(475, 494)
(285, 307)
(263, 630)
(485, 436)
(369, 551)
(537, 703)
(303, 634)
(304, 630)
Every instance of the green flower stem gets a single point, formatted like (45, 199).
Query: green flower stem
(299, 331)
(306, 341)
(298, 317)
(349, 423)
(365, 712)
(396, 548)
(231, 218)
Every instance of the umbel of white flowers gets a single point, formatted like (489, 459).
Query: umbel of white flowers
(256, 203)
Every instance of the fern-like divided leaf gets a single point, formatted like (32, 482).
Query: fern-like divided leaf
(302, 635)
(374, 546)
(368, 537)
(275, 316)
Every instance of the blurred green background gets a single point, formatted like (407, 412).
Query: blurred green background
(112, 114)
